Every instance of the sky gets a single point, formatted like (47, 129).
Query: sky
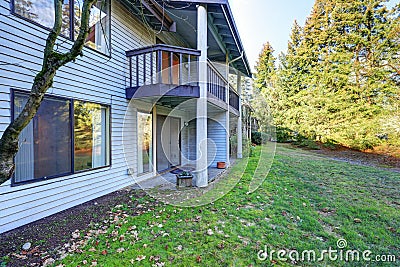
(259, 21)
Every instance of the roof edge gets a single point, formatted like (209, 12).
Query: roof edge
(232, 24)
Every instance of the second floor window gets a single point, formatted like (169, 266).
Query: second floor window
(42, 13)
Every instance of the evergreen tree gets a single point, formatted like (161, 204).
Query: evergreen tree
(339, 79)
(264, 86)
(265, 67)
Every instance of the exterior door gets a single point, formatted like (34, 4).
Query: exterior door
(168, 142)
(175, 155)
(162, 143)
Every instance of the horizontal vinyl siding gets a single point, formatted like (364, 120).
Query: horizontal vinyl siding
(216, 131)
(93, 77)
(190, 132)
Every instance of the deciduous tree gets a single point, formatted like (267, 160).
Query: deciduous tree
(52, 61)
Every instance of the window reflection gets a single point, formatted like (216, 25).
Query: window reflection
(145, 135)
(99, 24)
(42, 12)
(91, 136)
(45, 143)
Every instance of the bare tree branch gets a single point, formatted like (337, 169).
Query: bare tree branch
(52, 61)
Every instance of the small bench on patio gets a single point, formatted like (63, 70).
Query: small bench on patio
(184, 179)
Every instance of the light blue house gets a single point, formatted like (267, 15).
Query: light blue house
(148, 93)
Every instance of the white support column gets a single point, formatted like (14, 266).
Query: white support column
(227, 122)
(250, 120)
(154, 140)
(201, 118)
(239, 130)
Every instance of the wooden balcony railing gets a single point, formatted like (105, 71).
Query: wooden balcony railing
(216, 82)
(162, 64)
(173, 71)
(217, 86)
(233, 99)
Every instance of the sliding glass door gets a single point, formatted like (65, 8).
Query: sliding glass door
(145, 140)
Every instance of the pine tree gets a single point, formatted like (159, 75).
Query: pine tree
(339, 79)
(290, 82)
(265, 67)
(291, 69)
(265, 86)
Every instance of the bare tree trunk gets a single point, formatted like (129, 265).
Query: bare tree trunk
(52, 61)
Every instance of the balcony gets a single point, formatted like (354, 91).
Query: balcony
(162, 70)
(168, 71)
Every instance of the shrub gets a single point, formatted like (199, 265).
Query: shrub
(330, 144)
(307, 143)
(284, 135)
(256, 138)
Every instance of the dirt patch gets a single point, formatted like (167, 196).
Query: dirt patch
(49, 234)
(356, 157)
(361, 158)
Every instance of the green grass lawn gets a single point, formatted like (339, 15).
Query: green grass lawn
(306, 202)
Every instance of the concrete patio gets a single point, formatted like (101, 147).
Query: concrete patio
(167, 180)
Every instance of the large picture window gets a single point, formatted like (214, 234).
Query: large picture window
(45, 144)
(42, 12)
(52, 145)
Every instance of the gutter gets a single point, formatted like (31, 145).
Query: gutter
(235, 38)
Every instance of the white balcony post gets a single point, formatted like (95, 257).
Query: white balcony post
(154, 140)
(227, 122)
(201, 120)
(239, 130)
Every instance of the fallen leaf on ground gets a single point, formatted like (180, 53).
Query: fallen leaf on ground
(48, 262)
(140, 257)
(18, 256)
(198, 258)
